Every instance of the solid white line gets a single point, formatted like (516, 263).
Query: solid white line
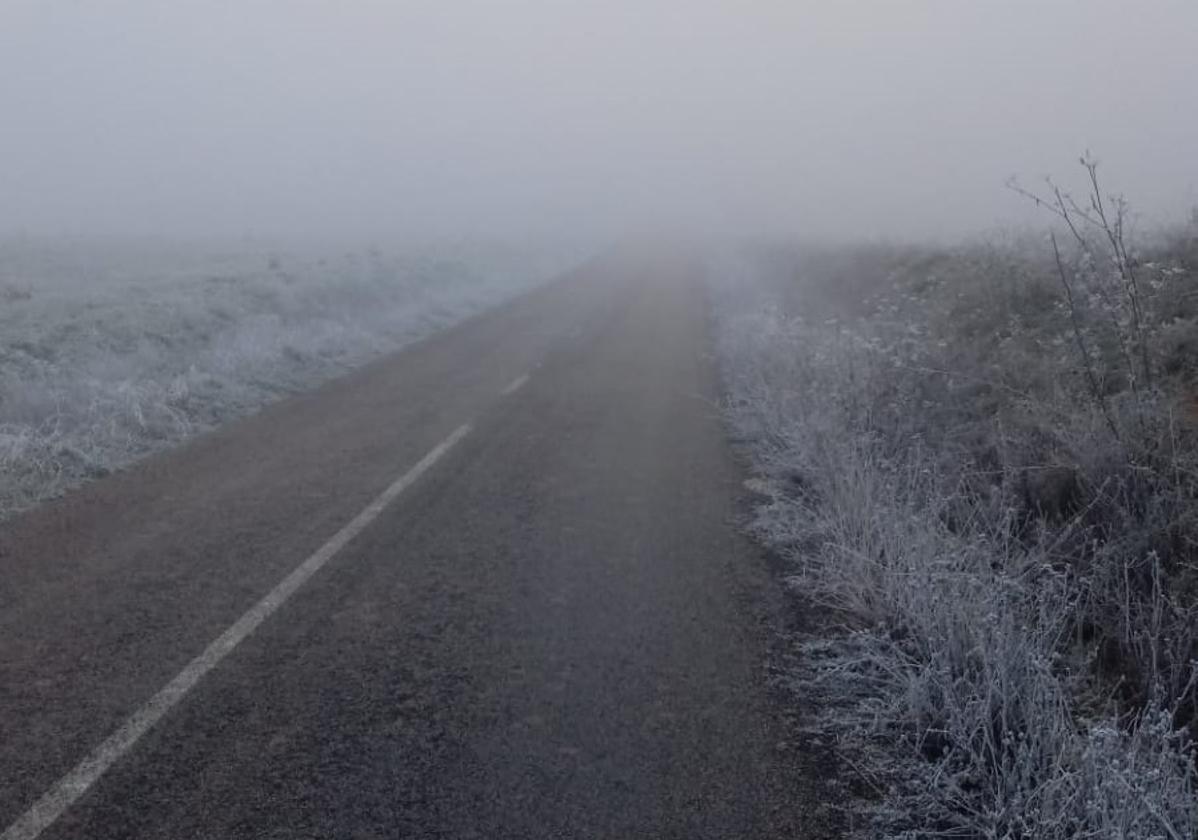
(74, 784)
(514, 386)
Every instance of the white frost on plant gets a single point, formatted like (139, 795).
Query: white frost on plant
(112, 351)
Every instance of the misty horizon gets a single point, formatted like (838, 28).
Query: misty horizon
(434, 119)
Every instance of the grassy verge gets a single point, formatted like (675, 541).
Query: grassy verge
(982, 461)
(111, 350)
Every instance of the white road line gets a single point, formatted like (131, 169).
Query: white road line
(67, 790)
(514, 386)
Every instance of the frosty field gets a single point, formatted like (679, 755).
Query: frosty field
(110, 350)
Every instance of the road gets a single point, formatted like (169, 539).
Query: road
(548, 626)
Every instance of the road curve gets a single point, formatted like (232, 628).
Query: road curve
(551, 631)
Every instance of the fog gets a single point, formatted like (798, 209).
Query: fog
(465, 117)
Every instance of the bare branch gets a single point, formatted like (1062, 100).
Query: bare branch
(1079, 339)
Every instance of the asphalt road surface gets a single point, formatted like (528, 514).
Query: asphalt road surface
(488, 587)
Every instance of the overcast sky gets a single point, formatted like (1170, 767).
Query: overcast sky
(609, 116)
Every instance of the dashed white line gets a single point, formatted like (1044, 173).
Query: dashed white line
(67, 790)
(514, 386)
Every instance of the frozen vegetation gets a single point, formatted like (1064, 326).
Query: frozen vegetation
(980, 465)
(112, 350)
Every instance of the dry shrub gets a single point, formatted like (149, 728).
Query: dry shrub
(1005, 527)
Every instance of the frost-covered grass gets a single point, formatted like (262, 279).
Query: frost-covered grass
(1009, 554)
(110, 350)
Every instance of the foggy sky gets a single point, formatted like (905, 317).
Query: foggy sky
(512, 116)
